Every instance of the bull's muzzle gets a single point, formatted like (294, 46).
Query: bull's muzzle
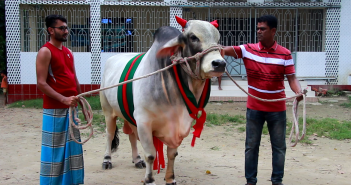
(218, 65)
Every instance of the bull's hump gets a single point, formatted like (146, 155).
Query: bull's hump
(165, 33)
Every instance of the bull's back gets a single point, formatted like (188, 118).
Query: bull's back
(111, 76)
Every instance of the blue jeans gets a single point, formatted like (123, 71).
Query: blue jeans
(276, 122)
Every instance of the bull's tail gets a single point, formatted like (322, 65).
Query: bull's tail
(115, 141)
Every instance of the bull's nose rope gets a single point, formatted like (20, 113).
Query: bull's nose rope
(177, 58)
(294, 111)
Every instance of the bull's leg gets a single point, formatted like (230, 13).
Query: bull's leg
(146, 140)
(139, 163)
(171, 155)
(112, 140)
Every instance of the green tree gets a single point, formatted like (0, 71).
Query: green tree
(3, 57)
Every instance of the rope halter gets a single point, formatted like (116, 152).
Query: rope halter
(178, 59)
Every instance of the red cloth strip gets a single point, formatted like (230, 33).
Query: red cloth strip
(159, 158)
(199, 125)
(124, 90)
(186, 99)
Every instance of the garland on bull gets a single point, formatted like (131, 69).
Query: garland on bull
(125, 101)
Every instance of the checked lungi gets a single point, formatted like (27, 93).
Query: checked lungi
(61, 158)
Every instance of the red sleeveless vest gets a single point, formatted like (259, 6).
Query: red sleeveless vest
(61, 76)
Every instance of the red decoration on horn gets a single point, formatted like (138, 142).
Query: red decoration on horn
(214, 23)
(181, 21)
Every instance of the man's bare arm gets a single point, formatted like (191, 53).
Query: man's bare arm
(42, 68)
(294, 84)
(229, 51)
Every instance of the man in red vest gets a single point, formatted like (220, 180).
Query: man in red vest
(266, 63)
(61, 158)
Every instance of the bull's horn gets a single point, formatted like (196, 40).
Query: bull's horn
(214, 23)
(181, 21)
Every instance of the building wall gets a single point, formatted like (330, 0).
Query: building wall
(82, 63)
(345, 41)
(21, 65)
(310, 64)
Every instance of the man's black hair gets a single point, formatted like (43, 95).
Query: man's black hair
(4, 72)
(51, 20)
(271, 21)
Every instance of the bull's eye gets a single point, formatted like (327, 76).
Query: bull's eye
(193, 38)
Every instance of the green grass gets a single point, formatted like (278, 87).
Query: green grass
(348, 104)
(94, 102)
(36, 104)
(327, 127)
(220, 119)
(242, 129)
(99, 123)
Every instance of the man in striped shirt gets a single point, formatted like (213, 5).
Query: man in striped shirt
(266, 63)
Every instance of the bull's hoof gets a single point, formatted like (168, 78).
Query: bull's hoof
(141, 164)
(106, 165)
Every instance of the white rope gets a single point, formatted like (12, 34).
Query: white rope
(294, 111)
(177, 59)
(88, 115)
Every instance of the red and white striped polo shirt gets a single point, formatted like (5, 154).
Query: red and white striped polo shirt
(265, 68)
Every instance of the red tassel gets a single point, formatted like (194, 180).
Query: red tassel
(199, 126)
(214, 23)
(159, 161)
(181, 21)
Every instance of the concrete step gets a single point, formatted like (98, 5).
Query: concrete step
(347, 92)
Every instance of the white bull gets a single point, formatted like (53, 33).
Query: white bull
(159, 108)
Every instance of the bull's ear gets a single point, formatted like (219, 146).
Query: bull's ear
(169, 48)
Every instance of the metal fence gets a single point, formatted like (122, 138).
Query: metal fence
(33, 30)
(299, 30)
(131, 28)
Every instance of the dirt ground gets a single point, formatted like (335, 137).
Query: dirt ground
(220, 150)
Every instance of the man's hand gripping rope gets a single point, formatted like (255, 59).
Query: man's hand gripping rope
(294, 109)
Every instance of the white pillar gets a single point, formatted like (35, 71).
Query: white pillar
(13, 37)
(332, 43)
(175, 11)
(95, 35)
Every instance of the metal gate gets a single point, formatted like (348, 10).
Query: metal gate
(33, 30)
(299, 30)
(130, 28)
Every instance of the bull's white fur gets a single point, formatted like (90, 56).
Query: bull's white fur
(170, 123)
(208, 36)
